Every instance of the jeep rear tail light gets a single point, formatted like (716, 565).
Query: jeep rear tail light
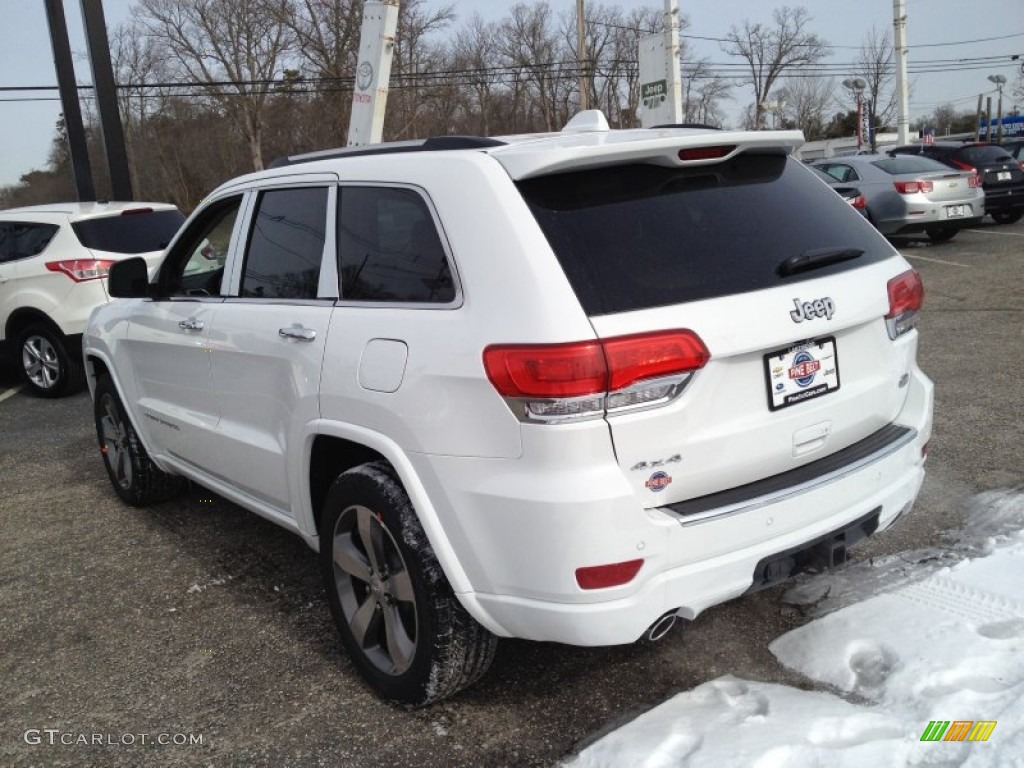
(611, 575)
(81, 270)
(906, 295)
(586, 379)
(913, 187)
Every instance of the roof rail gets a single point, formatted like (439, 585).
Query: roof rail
(433, 144)
(703, 126)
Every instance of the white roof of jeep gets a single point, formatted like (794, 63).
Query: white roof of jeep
(585, 142)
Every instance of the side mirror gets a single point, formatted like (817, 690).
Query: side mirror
(128, 279)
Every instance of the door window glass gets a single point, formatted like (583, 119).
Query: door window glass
(286, 245)
(195, 265)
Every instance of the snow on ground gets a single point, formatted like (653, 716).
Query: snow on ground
(942, 640)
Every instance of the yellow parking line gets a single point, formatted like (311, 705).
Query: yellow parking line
(10, 393)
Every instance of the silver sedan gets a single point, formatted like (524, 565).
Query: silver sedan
(907, 193)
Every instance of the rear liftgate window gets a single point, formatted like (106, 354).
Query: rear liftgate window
(639, 236)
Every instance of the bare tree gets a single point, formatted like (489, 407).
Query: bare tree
(530, 44)
(770, 51)
(241, 43)
(474, 51)
(876, 68)
(804, 104)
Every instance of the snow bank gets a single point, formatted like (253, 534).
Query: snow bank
(948, 646)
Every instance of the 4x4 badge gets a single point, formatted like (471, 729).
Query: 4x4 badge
(808, 310)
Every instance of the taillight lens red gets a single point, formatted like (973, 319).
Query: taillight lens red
(612, 575)
(591, 367)
(81, 270)
(906, 296)
(906, 293)
(705, 153)
(913, 187)
(547, 370)
(859, 202)
(974, 180)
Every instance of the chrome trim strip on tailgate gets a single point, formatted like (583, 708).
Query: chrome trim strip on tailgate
(735, 501)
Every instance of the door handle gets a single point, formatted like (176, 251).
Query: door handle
(298, 333)
(191, 324)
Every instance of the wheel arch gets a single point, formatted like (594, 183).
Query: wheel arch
(332, 448)
(23, 317)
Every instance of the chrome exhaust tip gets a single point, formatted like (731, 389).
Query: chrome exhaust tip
(661, 627)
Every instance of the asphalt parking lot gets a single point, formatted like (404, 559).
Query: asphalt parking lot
(195, 621)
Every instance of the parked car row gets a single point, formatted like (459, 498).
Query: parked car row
(935, 188)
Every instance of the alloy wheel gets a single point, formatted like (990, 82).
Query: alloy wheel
(114, 442)
(39, 358)
(375, 590)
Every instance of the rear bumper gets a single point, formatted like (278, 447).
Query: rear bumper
(520, 538)
(1004, 199)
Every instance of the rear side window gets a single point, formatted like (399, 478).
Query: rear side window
(286, 246)
(910, 164)
(640, 236)
(130, 232)
(389, 248)
(983, 154)
(22, 240)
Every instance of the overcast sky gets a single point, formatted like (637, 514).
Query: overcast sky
(27, 127)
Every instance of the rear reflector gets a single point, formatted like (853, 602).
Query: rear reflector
(906, 296)
(705, 153)
(612, 575)
(913, 187)
(81, 270)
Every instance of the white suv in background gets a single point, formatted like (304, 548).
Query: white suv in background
(53, 259)
(563, 387)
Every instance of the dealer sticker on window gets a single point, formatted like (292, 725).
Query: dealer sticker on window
(802, 372)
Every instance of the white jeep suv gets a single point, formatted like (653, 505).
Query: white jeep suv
(53, 259)
(560, 387)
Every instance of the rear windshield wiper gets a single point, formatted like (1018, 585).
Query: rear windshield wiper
(816, 259)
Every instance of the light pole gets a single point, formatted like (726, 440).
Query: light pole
(1000, 81)
(857, 86)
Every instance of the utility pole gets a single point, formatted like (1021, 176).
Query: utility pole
(899, 23)
(675, 83)
(77, 145)
(581, 55)
(106, 99)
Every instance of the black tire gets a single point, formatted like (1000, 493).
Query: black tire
(136, 479)
(398, 618)
(1007, 217)
(941, 234)
(48, 367)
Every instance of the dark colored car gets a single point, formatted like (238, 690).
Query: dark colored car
(1015, 147)
(1002, 177)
